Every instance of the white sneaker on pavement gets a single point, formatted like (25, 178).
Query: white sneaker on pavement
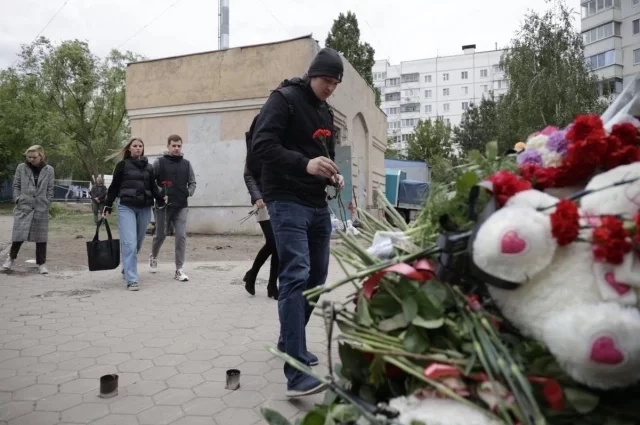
(181, 276)
(42, 269)
(153, 263)
(8, 263)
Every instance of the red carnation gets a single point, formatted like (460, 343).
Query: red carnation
(321, 133)
(636, 238)
(565, 222)
(506, 184)
(586, 127)
(627, 133)
(611, 241)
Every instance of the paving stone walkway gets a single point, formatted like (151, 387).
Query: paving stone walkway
(170, 343)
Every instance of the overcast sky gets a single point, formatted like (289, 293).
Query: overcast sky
(397, 29)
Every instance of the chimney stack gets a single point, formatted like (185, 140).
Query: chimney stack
(223, 24)
(469, 48)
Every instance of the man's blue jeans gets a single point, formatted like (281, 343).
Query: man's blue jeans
(302, 237)
(132, 226)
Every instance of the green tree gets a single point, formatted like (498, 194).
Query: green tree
(549, 80)
(344, 37)
(77, 100)
(479, 125)
(429, 140)
(392, 151)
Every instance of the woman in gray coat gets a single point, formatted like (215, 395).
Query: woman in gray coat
(32, 194)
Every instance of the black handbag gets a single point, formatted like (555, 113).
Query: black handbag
(103, 255)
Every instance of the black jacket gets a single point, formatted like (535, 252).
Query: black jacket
(252, 168)
(283, 142)
(134, 183)
(175, 177)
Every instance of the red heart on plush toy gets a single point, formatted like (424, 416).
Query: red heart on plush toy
(512, 243)
(604, 351)
(620, 288)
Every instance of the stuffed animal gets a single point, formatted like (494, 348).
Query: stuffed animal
(585, 310)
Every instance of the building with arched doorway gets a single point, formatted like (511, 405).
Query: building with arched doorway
(210, 99)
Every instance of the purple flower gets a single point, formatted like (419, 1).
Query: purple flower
(530, 157)
(557, 142)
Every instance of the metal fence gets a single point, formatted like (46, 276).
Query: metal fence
(64, 190)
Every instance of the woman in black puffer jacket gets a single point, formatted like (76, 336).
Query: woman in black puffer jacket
(252, 172)
(134, 185)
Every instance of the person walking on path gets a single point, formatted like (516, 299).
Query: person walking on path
(134, 185)
(297, 161)
(175, 176)
(252, 175)
(98, 193)
(32, 193)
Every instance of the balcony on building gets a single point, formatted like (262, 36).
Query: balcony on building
(596, 12)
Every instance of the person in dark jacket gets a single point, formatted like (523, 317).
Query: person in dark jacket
(134, 185)
(177, 181)
(252, 175)
(297, 167)
(98, 194)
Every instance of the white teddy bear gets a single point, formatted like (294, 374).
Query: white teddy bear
(585, 311)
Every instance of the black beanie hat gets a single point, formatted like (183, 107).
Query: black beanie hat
(327, 63)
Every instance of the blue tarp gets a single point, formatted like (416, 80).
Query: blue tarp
(413, 192)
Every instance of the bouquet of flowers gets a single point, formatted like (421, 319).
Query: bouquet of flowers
(428, 333)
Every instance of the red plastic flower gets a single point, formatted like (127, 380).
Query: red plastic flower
(506, 184)
(611, 241)
(166, 183)
(322, 133)
(565, 222)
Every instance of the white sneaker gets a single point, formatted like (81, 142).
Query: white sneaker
(180, 276)
(153, 263)
(42, 269)
(8, 263)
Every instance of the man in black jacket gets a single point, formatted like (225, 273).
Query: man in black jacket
(174, 174)
(297, 168)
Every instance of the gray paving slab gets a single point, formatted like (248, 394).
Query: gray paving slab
(170, 343)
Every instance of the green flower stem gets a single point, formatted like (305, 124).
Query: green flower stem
(375, 223)
(372, 331)
(443, 389)
(415, 356)
(368, 340)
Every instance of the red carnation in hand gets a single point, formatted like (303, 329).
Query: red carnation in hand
(506, 184)
(322, 133)
(565, 222)
(611, 241)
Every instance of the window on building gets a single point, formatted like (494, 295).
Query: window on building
(411, 122)
(445, 92)
(636, 26)
(601, 32)
(427, 78)
(609, 87)
(497, 68)
(464, 75)
(465, 90)
(484, 73)
(427, 109)
(485, 88)
(602, 59)
(636, 57)
(393, 125)
(379, 75)
(427, 94)
(410, 78)
(393, 111)
(445, 76)
(597, 6)
(445, 107)
(410, 92)
(465, 106)
(410, 108)
(390, 82)
(447, 121)
(391, 97)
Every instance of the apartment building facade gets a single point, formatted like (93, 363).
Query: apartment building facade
(436, 87)
(611, 36)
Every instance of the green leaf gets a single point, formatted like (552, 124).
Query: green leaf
(345, 413)
(414, 341)
(273, 417)
(491, 150)
(396, 322)
(363, 317)
(376, 371)
(584, 402)
(314, 417)
(427, 324)
(409, 308)
(352, 362)
(384, 305)
(427, 309)
(439, 293)
(416, 422)
(465, 182)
